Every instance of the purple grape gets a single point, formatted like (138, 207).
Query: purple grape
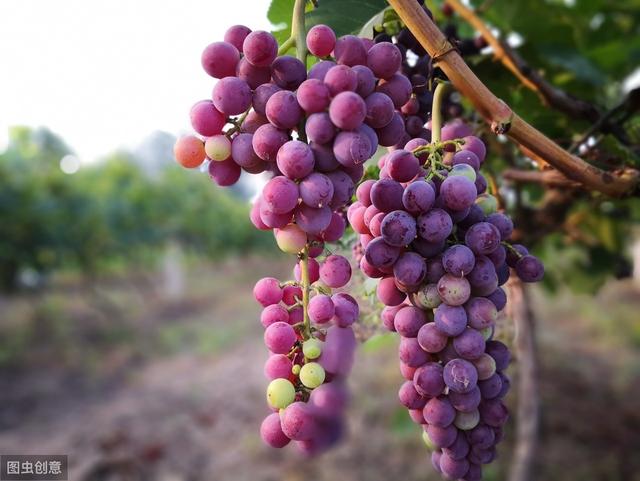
(298, 422)
(500, 353)
(482, 436)
(387, 316)
(498, 257)
(384, 59)
(347, 110)
(366, 81)
(409, 320)
(398, 88)
(271, 432)
(402, 165)
(503, 223)
(319, 128)
(280, 194)
(435, 270)
(475, 145)
(481, 184)
(321, 308)
(428, 378)
(312, 220)
(517, 252)
(431, 339)
(458, 193)
(409, 397)
(483, 277)
(341, 78)
(219, 59)
(343, 188)
(321, 40)
(206, 119)
(460, 375)
(458, 260)
(466, 157)
(313, 96)
(325, 161)
(338, 351)
(319, 70)
(225, 173)
(335, 271)
(278, 366)
(418, 197)
(260, 48)
(451, 320)
(267, 140)
(388, 293)
(474, 216)
(410, 269)
(351, 148)
(261, 95)
(252, 121)
(231, 96)
(442, 437)
(335, 230)
(454, 291)
(242, 151)
(282, 110)
(469, 344)
(506, 385)
(393, 132)
(482, 238)
(279, 337)
(439, 412)
(503, 274)
(427, 249)
(398, 228)
(493, 412)
(349, 50)
(386, 195)
(490, 388)
(434, 226)
(498, 298)
(459, 449)
(481, 313)
(380, 110)
(288, 72)
(316, 190)
(236, 34)
(364, 129)
(466, 402)
(254, 76)
(329, 400)
(346, 309)
(295, 159)
(530, 269)
(485, 365)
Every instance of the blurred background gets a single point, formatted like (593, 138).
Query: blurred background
(129, 337)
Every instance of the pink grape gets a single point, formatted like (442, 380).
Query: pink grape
(219, 59)
(321, 309)
(273, 313)
(267, 291)
(279, 337)
(231, 96)
(321, 40)
(206, 119)
(260, 48)
(278, 366)
(335, 271)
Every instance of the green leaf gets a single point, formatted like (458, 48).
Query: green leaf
(345, 16)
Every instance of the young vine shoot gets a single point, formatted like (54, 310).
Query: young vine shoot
(428, 230)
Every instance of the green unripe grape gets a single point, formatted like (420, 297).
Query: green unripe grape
(280, 393)
(291, 239)
(312, 348)
(487, 332)
(488, 203)
(312, 375)
(427, 441)
(467, 421)
(295, 369)
(218, 147)
(463, 170)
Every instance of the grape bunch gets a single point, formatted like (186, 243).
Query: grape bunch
(440, 249)
(309, 361)
(311, 132)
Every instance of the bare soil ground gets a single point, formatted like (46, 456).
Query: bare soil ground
(135, 386)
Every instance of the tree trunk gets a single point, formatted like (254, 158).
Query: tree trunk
(527, 414)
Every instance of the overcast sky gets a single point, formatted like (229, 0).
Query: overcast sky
(105, 74)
